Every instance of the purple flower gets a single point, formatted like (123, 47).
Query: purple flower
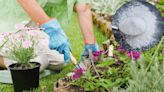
(121, 49)
(78, 72)
(162, 19)
(133, 54)
(96, 54)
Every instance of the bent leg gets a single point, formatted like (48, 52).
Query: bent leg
(56, 60)
(50, 59)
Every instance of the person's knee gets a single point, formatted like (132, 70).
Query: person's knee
(82, 8)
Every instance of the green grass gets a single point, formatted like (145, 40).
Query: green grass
(75, 36)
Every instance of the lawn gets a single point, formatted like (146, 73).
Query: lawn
(75, 36)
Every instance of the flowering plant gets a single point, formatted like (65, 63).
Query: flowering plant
(3, 38)
(21, 45)
(78, 72)
(162, 20)
(135, 55)
(97, 55)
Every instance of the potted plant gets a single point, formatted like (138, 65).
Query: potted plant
(21, 48)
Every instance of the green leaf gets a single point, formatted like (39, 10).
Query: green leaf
(106, 63)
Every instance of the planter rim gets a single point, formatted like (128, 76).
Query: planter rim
(11, 66)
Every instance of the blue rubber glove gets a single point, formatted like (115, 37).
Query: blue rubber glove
(87, 47)
(57, 38)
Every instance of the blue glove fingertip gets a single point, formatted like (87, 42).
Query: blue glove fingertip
(67, 55)
(65, 49)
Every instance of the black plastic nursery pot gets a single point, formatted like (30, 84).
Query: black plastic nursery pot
(25, 79)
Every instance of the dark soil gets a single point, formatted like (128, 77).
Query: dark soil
(63, 85)
(1, 68)
(119, 64)
(24, 66)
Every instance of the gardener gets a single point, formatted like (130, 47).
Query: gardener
(11, 13)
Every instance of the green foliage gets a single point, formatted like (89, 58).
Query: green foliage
(22, 55)
(160, 6)
(91, 83)
(148, 74)
(110, 61)
(146, 81)
(113, 73)
(108, 7)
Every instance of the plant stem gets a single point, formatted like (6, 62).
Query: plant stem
(92, 62)
(156, 52)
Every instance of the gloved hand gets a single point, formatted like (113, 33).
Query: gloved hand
(57, 38)
(87, 47)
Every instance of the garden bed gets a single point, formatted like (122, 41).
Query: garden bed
(116, 71)
(101, 74)
(110, 72)
(103, 22)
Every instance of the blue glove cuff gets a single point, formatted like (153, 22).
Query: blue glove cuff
(52, 27)
(51, 23)
(92, 47)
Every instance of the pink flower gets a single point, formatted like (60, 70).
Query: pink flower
(20, 26)
(27, 44)
(1, 38)
(78, 72)
(17, 36)
(33, 32)
(4, 34)
(133, 54)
